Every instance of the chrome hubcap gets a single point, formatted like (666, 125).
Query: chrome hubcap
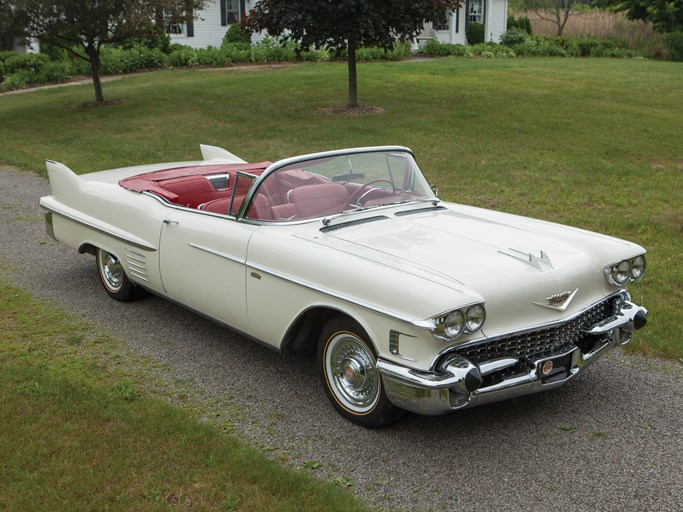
(351, 372)
(110, 270)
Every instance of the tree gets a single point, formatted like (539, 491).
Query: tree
(347, 24)
(82, 26)
(665, 15)
(11, 24)
(555, 11)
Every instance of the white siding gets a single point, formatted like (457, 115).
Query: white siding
(207, 27)
(496, 19)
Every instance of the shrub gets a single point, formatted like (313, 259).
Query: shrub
(182, 57)
(475, 33)
(31, 62)
(53, 71)
(522, 23)
(211, 56)
(673, 42)
(237, 52)
(16, 80)
(514, 36)
(434, 48)
(314, 55)
(237, 34)
(6, 54)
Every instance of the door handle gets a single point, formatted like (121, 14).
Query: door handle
(171, 222)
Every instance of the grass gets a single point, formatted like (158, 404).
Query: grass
(77, 435)
(588, 142)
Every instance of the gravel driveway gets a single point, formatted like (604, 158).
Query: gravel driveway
(610, 440)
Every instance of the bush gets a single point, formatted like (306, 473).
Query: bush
(514, 36)
(475, 33)
(673, 42)
(522, 23)
(53, 71)
(182, 57)
(434, 48)
(211, 56)
(16, 80)
(237, 34)
(31, 62)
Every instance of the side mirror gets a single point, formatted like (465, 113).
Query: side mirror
(435, 189)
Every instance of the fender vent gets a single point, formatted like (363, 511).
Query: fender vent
(137, 266)
(342, 225)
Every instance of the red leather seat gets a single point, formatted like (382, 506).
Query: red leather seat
(319, 200)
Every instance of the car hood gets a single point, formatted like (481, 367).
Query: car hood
(514, 263)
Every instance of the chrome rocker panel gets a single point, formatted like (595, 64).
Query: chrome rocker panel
(456, 382)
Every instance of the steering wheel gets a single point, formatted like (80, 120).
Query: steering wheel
(358, 195)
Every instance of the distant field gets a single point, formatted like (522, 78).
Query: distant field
(639, 35)
(589, 142)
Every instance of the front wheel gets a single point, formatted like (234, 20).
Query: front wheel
(114, 278)
(350, 377)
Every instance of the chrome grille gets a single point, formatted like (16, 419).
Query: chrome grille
(535, 345)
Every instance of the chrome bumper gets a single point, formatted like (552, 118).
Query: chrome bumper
(456, 383)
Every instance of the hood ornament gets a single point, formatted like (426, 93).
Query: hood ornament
(559, 301)
(530, 259)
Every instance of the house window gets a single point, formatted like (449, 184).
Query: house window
(476, 12)
(441, 24)
(176, 29)
(230, 12)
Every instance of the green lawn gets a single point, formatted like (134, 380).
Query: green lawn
(77, 434)
(589, 142)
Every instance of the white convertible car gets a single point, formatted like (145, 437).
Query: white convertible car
(411, 303)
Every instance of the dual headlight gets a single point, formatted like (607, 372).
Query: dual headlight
(618, 274)
(451, 325)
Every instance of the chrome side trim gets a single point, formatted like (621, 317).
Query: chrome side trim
(137, 243)
(217, 253)
(345, 298)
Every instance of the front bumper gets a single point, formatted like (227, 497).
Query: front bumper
(458, 383)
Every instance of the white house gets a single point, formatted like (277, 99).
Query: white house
(493, 14)
(211, 24)
(214, 20)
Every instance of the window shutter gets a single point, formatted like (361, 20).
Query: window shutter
(224, 13)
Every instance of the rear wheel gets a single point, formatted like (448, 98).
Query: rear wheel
(114, 278)
(349, 373)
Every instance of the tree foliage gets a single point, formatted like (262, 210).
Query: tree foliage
(83, 26)
(347, 24)
(665, 15)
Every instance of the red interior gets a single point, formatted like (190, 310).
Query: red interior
(188, 186)
(285, 195)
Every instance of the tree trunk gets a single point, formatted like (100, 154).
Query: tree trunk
(94, 56)
(353, 81)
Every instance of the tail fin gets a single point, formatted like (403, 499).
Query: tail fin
(220, 155)
(64, 182)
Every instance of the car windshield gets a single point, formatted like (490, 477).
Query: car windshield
(331, 185)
